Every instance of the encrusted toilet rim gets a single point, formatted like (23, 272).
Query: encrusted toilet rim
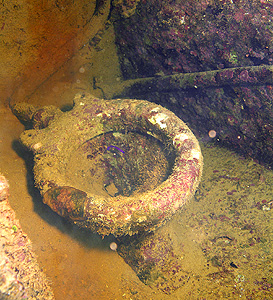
(90, 117)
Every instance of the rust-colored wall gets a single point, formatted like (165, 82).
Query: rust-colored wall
(37, 37)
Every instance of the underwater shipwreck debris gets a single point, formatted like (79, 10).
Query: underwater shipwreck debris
(238, 76)
(215, 61)
(21, 277)
(155, 260)
(112, 192)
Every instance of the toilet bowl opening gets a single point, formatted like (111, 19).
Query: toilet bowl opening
(120, 163)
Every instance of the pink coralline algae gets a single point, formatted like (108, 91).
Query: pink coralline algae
(188, 37)
(244, 77)
(226, 75)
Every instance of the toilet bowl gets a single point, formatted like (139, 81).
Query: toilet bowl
(113, 166)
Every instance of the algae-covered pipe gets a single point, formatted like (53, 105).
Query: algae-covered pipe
(254, 75)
